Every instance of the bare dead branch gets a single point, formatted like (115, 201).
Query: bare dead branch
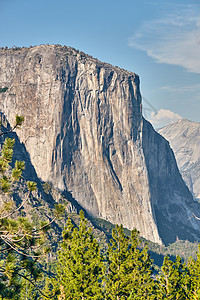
(20, 252)
(46, 225)
(9, 131)
(25, 277)
(195, 216)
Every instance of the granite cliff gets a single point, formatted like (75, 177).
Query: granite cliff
(184, 138)
(85, 133)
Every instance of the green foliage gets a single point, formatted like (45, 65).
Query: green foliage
(19, 120)
(80, 264)
(124, 271)
(47, 187)
(174, 281)
(194, 269)
(59, 209)
(7, 176)
(184, 249)
(31, 185)
(129, 269)
(17, 170)
(7, 150)
(5, 184)
(3, 90)
(21, 244)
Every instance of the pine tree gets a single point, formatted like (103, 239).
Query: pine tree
(129, 269)
(194, 269)
(174, 281)
(80, 267)
(21, 242)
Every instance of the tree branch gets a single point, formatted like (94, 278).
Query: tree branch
(194, 217)
(10, 214)
(11, 130)
(20, 252)
(25, 277)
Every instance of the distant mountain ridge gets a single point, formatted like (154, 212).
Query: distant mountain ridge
(184, 138)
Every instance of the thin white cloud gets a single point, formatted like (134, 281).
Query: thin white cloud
(173, 39)
(181, 89)
(163, 117)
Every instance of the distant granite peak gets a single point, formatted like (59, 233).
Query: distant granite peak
(184, 138)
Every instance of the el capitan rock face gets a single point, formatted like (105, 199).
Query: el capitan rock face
(85, 133)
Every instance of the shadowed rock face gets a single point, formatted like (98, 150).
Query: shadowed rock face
(173, 203)
(184, 138)
(85, 133)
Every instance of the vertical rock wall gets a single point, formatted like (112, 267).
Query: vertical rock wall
(85, 133)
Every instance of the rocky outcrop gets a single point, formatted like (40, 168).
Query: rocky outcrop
(184, 138)
(85, 133)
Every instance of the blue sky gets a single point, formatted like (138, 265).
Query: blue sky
(158, 40)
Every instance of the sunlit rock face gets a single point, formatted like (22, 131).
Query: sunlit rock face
(184, 138)
(85, 133)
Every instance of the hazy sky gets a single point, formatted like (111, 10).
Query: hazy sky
(158, 40)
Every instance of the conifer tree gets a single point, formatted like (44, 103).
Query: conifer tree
(194, 269)
(174, 281)
(21, 242)
(80, 267)
(129, 269)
